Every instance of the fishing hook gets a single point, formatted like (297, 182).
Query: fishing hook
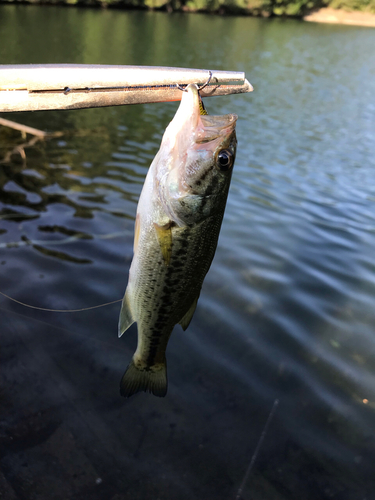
(199, 88)
(208, 81)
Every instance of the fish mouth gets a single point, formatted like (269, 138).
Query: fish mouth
(188, 121)
(211, 127)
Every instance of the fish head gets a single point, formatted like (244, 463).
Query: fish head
(200, 150)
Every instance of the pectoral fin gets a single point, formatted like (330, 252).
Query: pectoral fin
(126, 318)
(185, 321)
(164, 235)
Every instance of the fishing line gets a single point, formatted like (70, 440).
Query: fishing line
(59, 310)
(253, 458)
(60, 329)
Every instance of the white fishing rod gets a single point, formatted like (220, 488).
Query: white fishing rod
(35, 87)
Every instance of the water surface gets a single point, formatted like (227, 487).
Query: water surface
(287, 309)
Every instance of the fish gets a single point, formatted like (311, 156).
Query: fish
(177, 226)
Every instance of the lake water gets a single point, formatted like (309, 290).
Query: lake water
(287, 310)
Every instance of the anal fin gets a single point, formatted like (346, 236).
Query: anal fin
(185, 320)
(126, 318)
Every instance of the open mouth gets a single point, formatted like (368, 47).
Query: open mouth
(213, 127)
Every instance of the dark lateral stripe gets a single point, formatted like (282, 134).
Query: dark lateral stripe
(154, 343)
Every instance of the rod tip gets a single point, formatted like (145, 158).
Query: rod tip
(248, 86)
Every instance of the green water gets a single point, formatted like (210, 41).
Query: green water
(286, 311)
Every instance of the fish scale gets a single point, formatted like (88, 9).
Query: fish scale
(178, 221)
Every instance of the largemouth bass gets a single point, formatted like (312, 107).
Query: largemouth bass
(177, 227)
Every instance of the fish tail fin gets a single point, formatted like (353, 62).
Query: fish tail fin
(151, 379)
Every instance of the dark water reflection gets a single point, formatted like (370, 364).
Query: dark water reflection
(287, 310)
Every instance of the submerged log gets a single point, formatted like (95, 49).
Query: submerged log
(24, 128)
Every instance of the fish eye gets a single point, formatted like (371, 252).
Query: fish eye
(224, 160)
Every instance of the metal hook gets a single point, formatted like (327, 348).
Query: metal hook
(205, 84)
(180, 88)
(199, 88)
